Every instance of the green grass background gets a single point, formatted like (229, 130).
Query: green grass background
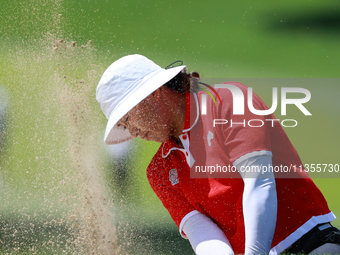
(219, 39)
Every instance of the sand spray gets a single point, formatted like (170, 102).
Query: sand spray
(54, 195)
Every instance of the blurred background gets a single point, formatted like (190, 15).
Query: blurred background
(62, 190)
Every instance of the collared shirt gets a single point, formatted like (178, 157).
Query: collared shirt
(219, 196)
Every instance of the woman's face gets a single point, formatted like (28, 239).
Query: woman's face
(149, 119)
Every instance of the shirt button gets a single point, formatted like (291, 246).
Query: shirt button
(184, 137)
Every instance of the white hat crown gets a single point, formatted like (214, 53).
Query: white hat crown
(120, 77)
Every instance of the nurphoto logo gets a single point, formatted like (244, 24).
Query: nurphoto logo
(239, 103)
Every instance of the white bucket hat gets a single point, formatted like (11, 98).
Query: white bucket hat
(124, 84)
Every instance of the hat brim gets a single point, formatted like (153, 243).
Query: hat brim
(150, 83)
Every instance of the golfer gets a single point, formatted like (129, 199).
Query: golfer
(250, 212)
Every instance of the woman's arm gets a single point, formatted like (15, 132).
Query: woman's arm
(259, 203)
(205, 236)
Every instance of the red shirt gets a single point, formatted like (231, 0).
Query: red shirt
(219, 196)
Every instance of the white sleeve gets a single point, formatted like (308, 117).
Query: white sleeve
(205, 236)
(259, 203)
